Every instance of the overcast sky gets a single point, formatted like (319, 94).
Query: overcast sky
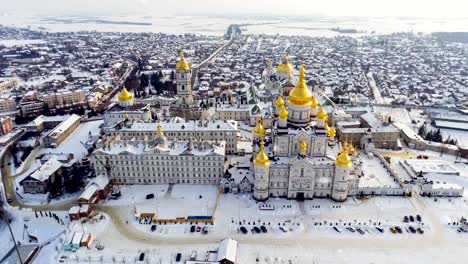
(411, 8)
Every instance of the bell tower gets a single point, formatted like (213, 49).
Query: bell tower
(183, 81)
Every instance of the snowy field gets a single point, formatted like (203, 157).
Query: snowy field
(375, 174)
(42, 227)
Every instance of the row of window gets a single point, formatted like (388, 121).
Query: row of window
(166, 181)
(174, 169)
(167, 175)
(137, 160)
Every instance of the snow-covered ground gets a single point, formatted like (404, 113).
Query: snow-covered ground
(375, 174)
(308, 238)
(25, 222)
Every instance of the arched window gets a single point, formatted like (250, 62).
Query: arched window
(183, 87)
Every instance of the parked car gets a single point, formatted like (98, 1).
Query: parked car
(351, 229)
(257, 230)
(418, 217)
(142, 257)
(406, 219)
(398, 229)
(205, 230)
(243, 230)
(150, 196)
(153, 228)
(420, 230)
(412, 229)
(263, 228)
(381, 230)
(411, 218)
(178, 257)
(192, 229)
(393, 230)
(337, 229)
(282, 229)
(198, 228)
(360, 231)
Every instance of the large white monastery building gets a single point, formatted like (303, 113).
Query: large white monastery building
(157, 160)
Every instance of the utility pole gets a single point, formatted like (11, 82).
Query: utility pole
(14, 241)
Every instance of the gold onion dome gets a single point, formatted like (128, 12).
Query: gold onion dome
(262, 158)
(182, 63)
(322, 114)
(351, 149)
(125, 95)
(279, 102)
(315, 103)
(303, 145)
(285, 65)
(343, 159)
(259, 130)
(160, 132)
(283, 113)
(331, 132)
(300, 95)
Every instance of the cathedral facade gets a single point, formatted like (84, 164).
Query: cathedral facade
(296, 158)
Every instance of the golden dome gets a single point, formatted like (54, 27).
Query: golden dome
(351, 149)
(259, 130)
(262, 158)
(315, 103)
(160, 132)
(300, 95)
(303, 145)
(331, 132)
(125, 95)
(322, 114)
(343, 159)
(182, 63)
(285, 65)
(279, 102)
(345, 145)
(283, 113)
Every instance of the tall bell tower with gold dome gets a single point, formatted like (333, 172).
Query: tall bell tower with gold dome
(262, 174)
(343, 164)
(183, 81)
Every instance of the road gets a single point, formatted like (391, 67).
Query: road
(210, 58)
(103, 106)
(375, 89)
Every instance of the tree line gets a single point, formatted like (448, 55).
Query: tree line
(435, 135)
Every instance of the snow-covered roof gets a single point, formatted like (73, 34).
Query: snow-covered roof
(216, 125)
(89, 192)
(65, 125)
(227, 250)
(172, 148)
(46, 170)
(74, 210)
